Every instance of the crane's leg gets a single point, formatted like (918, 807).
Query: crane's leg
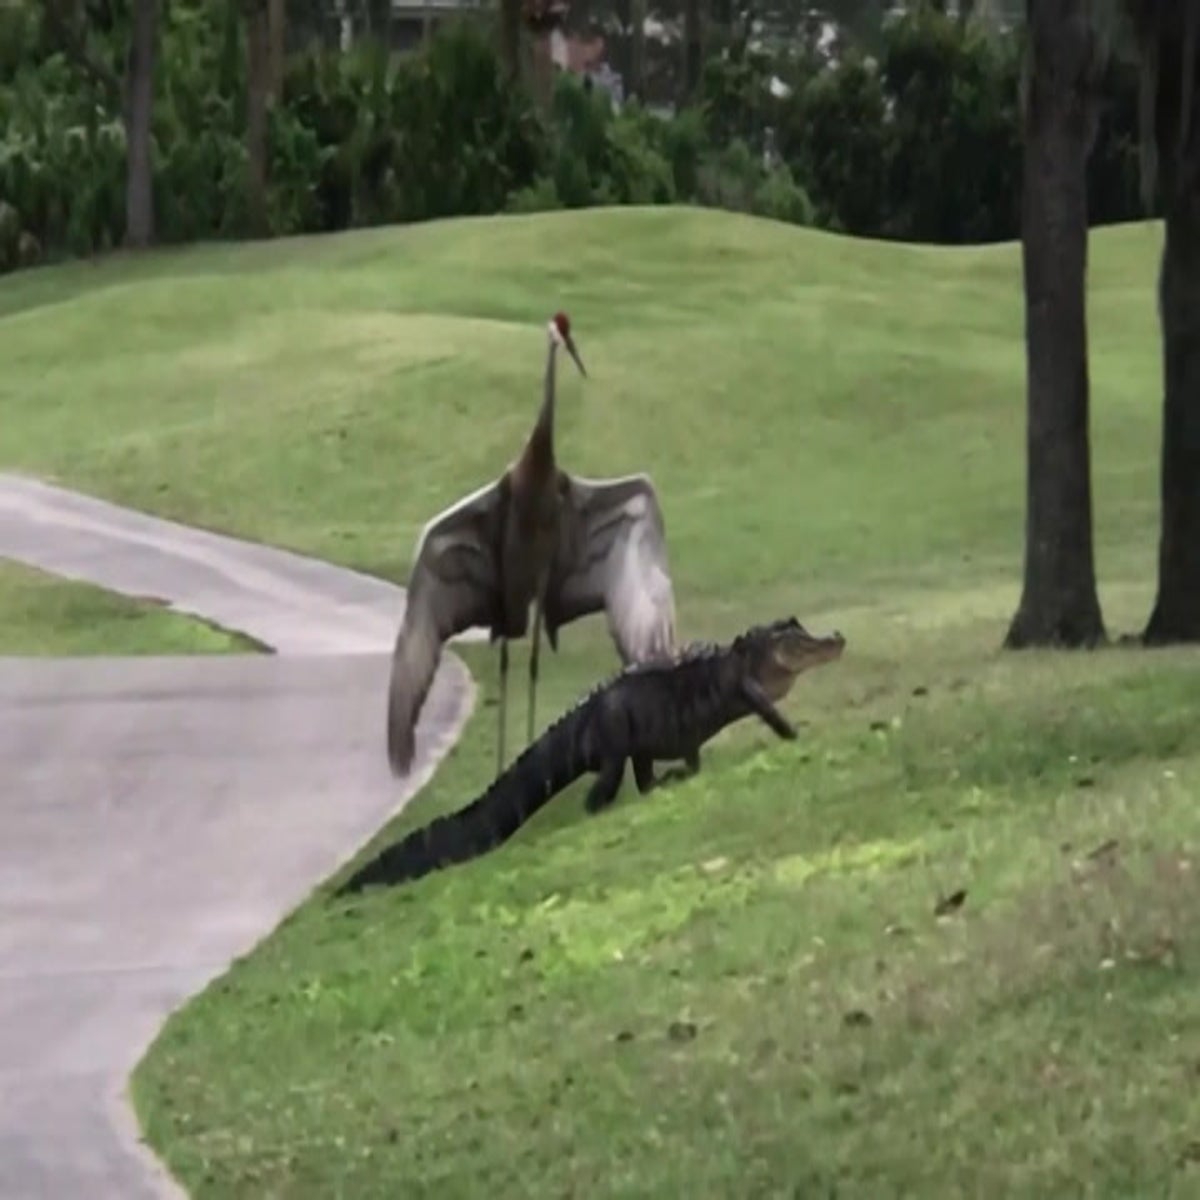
(503, 693)
(533, 665)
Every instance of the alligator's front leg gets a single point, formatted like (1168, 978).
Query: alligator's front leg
(761, 704)
(608, 783)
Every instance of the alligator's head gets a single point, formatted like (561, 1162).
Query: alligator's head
(775, 654)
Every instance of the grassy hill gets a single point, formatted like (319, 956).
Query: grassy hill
(740, 986)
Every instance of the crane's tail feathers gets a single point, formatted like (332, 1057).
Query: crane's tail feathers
(414, 661)
(642, 613)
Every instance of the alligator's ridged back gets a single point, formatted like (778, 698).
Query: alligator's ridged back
(547, 766)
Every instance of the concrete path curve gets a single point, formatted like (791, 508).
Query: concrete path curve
(159, 816)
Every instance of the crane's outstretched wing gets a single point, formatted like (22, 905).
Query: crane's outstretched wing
(612, 555)
(453, 586)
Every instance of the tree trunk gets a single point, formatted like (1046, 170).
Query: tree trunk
(636, 85)
(621, 54)
(139, 108)
(542, 71)
(257, 89)
(693, 48)
(277, 24)
(510, 38)
(1170, 70)
(1059, 604)
(1176, 613)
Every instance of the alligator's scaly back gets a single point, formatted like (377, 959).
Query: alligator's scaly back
(560, 756)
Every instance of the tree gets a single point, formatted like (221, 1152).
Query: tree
(1059, 604)
(693, 48)
(132, 95)
(139, 112)
(265, 31)
(510, 37)
(277, 24)
(258, 91)
(1167, 34)
(635, 85)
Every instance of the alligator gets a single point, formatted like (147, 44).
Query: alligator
(661, 709)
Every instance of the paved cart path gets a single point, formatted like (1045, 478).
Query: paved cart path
(159, 816)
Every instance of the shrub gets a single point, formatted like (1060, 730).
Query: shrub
(736, 179)
(779, 196)
(541, 196)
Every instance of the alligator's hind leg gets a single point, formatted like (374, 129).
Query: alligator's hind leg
(608, 784)
(691, 765)
(643, 772)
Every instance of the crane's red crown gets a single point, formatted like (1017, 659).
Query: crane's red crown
(563, 324)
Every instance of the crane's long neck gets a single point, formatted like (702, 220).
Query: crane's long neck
(540, 449)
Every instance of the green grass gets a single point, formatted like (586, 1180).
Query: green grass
(667, 999)
(43, 615)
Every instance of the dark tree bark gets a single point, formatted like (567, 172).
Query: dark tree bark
(139, 109)
(257, 92)
(1176, 613)
(1171, 120)
(1059, 605)
(510, 38)
(277, 23)
(636, 84)
(693, 48)
(621, 54)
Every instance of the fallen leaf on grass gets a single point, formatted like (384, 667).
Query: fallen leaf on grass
(1189, 1155)
(1161, 952)
(951, 903)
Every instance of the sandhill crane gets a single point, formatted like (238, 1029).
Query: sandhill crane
(537, 535)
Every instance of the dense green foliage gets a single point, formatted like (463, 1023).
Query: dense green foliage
(921, 144)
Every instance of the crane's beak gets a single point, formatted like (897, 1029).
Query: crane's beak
(570, 344)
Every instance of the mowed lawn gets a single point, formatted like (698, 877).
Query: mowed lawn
(41, 615)
(740, 986)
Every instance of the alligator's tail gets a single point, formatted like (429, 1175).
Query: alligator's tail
(555, 760)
